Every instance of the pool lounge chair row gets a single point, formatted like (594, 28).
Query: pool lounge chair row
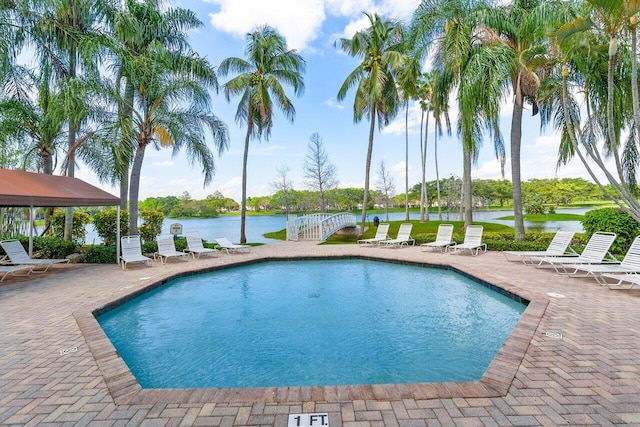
(131, 249)
(444, 240)
(18, 260)
(382, 238)
(595, 260)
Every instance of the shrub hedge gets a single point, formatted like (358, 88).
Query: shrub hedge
(612, 220)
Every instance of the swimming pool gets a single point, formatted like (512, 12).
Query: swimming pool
(315, 322)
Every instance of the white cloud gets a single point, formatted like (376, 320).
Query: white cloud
(398, 125)
(544, 144)
(333, 103)
(164, 164)
(298, 21)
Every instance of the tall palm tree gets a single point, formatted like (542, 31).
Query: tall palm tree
(134, 26)
(375, 77)
(439, 107)
(407, 81)
(66, 36)
(172, 109)
(259, 82)
(589, 61)
(448, 28)
(520, 28)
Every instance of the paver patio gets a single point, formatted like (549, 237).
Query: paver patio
(56, 370)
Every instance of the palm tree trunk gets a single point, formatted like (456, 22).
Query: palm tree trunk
(406, 162)
(134, 188)
(422, 150)
(243, 208)
(71, 158)
(516, 138)
(367, 170)
(124, 189)
(71, 167)
(435, 150)
(467, 200)
(127, 110)
(424, 168)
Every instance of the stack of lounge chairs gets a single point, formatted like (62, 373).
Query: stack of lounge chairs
(595, 260)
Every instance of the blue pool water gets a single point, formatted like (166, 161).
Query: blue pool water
(315, 322)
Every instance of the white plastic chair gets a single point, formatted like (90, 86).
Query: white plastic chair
(559, 246)
(381, 234)
(225, 244)
(403, 237)
(195, 246)
(12, 269)
(444, 239)
(131, 249)
(167, 249)
(472, 241)
(17, 255)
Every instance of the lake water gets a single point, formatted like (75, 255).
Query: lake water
(256, 226)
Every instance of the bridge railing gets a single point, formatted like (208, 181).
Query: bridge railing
(318, 226)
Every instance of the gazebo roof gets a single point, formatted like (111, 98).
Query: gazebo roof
(21, 189)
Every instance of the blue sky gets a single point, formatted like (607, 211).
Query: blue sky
(311, 27)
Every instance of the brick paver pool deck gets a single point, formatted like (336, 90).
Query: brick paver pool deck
(57, 368)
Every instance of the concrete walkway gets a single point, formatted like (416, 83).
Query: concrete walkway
(56, 368)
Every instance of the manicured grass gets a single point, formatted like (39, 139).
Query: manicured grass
(422, 231)
(549, 217)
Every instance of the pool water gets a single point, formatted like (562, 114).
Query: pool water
(316, 322)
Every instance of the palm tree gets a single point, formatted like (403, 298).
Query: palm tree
(407, 81)
(439, 107)
(380, 48)
(135, 26)
(172, 109)
(521, 28)
(587, 60)
(259, 83)
(449, 29)
(66, 35)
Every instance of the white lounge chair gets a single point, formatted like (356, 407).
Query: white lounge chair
(167, 249)
(17, 255)
(131, 249)
(6, 269)
(596, 252)
(472, 241)
(226, 245)
(559, 246)
(403, 237)
(625, 281)
(444, 239)
(195, 246)
(382, 233)
(630, 264)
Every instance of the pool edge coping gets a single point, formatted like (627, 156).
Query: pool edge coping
(495, 382)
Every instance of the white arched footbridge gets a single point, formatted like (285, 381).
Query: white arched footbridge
(318, 226)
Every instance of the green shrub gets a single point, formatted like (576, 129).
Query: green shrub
(612, 220)
(101, 255)
(105, 224)
(149, 247)
(152, 225)
(80, 220)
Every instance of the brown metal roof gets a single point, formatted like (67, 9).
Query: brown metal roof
(21, 189)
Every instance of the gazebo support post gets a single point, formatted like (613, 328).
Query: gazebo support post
(117, 234)
(31, 219)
